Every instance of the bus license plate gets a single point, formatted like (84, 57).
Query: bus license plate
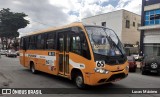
(118, 79)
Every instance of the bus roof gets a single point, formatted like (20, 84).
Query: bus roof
(55, 28)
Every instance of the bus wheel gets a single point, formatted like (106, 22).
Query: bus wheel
(79, 81)
(32, 68)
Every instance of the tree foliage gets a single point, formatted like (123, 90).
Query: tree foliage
(10, 22)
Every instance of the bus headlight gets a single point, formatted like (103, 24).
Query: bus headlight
(101, 70)
(127, 68)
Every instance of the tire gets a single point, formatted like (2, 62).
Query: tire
(79, 81)
(32, 68)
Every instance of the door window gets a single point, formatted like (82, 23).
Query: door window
(76, 45)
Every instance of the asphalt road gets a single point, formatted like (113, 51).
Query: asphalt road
(13, 75)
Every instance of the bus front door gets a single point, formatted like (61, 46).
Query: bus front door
(63, 42)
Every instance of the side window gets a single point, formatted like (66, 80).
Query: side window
(127, 24)
(32, 42)
(26, 43)
(50, 41)
(85, 49)
(104, 24)
(40, 41)
(61, 44)
(76, 45)
(21, 43)
(68, 43)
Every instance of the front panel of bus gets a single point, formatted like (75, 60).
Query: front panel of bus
(109, 59)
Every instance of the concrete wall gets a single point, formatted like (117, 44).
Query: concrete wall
(113, 21)
(150, 2)
(117, 21)
(152, 7)
(130, 35)
(152, 36)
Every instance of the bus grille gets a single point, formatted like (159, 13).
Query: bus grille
(116, 76)
(113, 78)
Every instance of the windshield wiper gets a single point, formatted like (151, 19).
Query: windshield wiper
(110, 40)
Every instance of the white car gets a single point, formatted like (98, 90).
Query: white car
(3, 52)
(11, 53)
(136, 56)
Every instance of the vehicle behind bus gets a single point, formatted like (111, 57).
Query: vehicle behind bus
(88, 55)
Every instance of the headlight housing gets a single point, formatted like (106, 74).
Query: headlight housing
(127, 68)
(101, 70)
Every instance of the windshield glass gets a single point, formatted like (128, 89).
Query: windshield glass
(104, 41)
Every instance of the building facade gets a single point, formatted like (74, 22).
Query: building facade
(150, 28)
(124, 23)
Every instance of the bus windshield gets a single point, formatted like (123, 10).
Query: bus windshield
(104, 41)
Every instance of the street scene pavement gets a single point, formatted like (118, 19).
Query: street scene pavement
(13, 75)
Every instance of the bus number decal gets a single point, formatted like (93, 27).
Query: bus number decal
(51, 53)
(100, 63)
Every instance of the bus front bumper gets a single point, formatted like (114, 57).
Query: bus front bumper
(98, 79)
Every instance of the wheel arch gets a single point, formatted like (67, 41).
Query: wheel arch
(74, 72)
(31, 62)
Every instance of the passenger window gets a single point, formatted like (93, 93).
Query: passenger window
(79, 43)
(26, 43)
(76, 45)
(85, 49)
(61, 44)
(40, 41)
(68, 44)
(32, 42)
(21, 43)
(50, 41)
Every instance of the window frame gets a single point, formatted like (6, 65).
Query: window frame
(128, 24)
(84, 38)
(54, 40)
(152, 17)
(43, 36)
(30, 43)
(71, 41)
(104, 24)
(22, 43)
(134, 24)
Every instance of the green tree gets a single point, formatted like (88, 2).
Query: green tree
(10, 22)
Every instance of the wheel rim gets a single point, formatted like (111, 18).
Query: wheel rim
(79, 81)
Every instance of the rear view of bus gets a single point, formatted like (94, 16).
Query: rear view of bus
(88, 55)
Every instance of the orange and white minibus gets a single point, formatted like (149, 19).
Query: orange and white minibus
(86, 54)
